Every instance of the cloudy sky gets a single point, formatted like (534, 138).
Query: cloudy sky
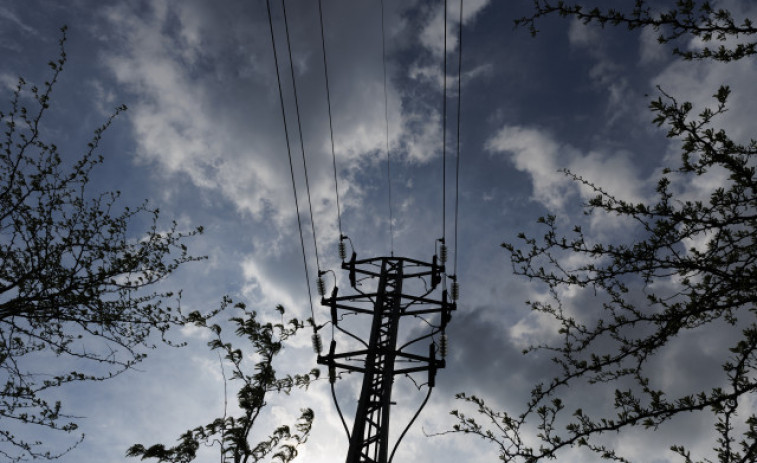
(203, 140)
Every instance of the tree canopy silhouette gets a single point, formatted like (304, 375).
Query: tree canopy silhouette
(682, 19)
(76, 275)
(232, 434)
(691, 265)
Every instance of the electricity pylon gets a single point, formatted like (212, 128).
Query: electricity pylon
(384, 286)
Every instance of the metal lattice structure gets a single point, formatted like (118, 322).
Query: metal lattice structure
(387, 302)
(391, 299)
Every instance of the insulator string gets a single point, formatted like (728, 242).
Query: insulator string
(302, 143)
(331, 127)
(291, 163)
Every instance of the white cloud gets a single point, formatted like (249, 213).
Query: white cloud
(650, 50)
(11, 16)
(537, 153)
(615, 174)
(8, 81)
(534, 329)
(423, 136)
(180, 121)
(433, 75)
(584, 35)
(265, 291)
(697, 81)
(432, 35)
(104, 97)
(541, 157)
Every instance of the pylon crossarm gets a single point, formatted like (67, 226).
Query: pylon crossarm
(423, 311)
(417, 262)
(415, 357)
(354, 297)
(346, 354)
(424, 300)
(324, 360)
(353, 309)
(419, 274)
(380, 360)
(349, 367)
(372, 273)
(400, 371)
(376, 261)
(405, 312)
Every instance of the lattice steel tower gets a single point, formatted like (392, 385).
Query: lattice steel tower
(406, 299)
(388, 289)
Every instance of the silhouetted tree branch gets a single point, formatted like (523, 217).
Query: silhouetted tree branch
(232, 435)
(75, 276)
(684, 19)
(693, 266)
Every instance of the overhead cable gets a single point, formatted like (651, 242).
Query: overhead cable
(291, 164)
(302, 143)
(410, 424)
(444, 132)
(459, 104)
(331, 128)
(386, 119)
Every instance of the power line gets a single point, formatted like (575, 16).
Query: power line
(336, 191)
(459, 104)
(444, 133)
(381, 359)
(302, 143)
(331, 128)
(291, 163)
(386, 119)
